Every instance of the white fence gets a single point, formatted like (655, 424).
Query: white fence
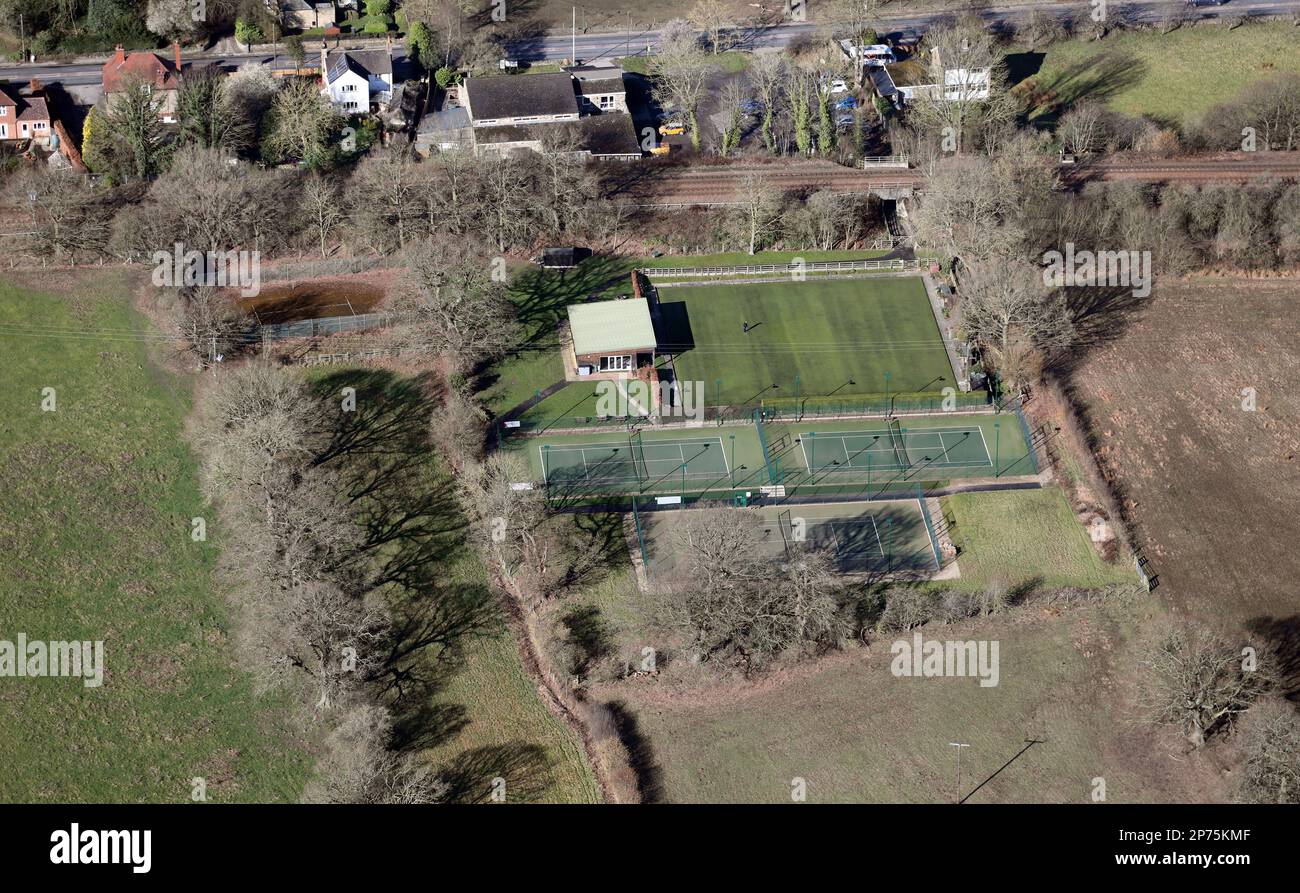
(814, 267)
(899, 161)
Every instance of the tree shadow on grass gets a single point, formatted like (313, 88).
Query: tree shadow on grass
(1099, 77)
(641, 756)
(413, 540)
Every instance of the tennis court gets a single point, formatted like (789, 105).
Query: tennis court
(631, 460)
(895, 448)
(875, 537)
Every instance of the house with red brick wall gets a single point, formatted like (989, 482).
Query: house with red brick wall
(163, 77)
(23, 117)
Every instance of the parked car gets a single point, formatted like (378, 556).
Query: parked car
(845, 120)
(661, 149)
(751, 106)
(672, 127)
(837, 85)
(848, 102)
(1198, 3)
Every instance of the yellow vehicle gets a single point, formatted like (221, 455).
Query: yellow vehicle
(672, 128)
(661, 149)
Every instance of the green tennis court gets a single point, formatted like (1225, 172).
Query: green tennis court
(863, 537)
(631, 460)
(894, 448)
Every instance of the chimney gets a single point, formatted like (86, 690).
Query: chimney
(324, 59)
(35, 87)
(119, 54)
(176, 54)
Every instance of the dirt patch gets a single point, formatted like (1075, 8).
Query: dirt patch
(314, 298)
(1192, 413)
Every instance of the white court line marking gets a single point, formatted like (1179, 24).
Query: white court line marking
(880, 546)
(988, 457)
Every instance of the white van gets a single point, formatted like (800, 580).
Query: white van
(878, 54)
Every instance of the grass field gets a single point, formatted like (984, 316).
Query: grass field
(856, 733)
(859, 336)
(95, 506)
(1025, 536)
(1175, 78)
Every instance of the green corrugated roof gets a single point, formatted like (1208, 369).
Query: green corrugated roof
(609, 326)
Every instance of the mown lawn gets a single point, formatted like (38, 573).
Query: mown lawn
(1175, 78)
(842, 337)
(541, 298)
(96, 502)
(1021, 536)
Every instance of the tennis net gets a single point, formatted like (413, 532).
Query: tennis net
(896, 437)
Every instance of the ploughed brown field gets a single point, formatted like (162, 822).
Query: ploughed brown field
(1212, 488)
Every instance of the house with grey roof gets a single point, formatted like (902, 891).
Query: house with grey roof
(514, 112)
(357, 79)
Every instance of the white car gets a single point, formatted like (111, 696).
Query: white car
(836, 86)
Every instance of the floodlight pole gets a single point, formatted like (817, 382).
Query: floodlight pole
(732, 466)
(888, 403)
(683, 485)
(798, 408)
(997, 447)
(955, 744)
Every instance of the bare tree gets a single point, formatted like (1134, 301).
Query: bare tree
(359, 765)
(1202, 683)
(1041, 29)
(969, 211)
(455, 303)
(1271, 746)
(386, 199)
(732, 103)
(710, 16)
(760, 210)
(511, 526)
(681, 71)
(767, 74)
(66, 216)
(300, 124)
(733, 596)
(1083, 128)
(322, 210)
(1007, 307)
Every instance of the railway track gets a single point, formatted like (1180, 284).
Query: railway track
(725, 184)
(1237, 167)
(680, 184)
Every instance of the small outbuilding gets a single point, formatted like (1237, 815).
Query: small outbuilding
(612, 336)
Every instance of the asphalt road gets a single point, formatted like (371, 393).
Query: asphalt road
(555, 47)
